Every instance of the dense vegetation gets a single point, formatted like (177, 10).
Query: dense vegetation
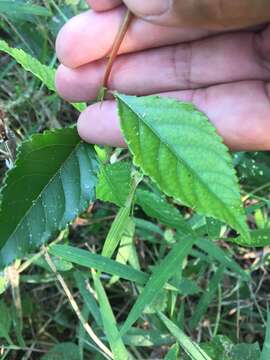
(148, 253)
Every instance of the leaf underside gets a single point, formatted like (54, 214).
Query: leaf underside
(52, 181)
(175, 144)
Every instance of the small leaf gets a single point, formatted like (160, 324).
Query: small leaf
(51, 183)
(114, 183)
(179, 149)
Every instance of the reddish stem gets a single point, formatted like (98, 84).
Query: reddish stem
(116, 46)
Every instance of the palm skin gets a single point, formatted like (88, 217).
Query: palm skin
(223, 71)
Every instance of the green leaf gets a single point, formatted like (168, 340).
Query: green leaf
(173, 353)
(114, 183)
(20, 10)
(29, 63)
(219, 348)
(157, 207)
(125, 246)
(42, 72)
(51, 183)
(258, 238)
(98, 262)
(116, 231)
(63, 351)
(245, 352)
(190, 348)
(120, 222)
(179, 149)
(161, 274)
(89, 300)
(109, 322)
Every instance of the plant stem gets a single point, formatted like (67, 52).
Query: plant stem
(116, 46)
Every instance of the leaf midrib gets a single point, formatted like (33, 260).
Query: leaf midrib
(183, 161)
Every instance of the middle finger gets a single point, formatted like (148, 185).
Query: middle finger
(220, 59)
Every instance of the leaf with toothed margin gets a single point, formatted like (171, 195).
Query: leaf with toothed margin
(52, 181)
(175, 144)
(43, 72)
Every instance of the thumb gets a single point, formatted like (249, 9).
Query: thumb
(148, 8)
(217, 14)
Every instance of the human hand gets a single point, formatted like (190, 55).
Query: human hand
(224, 72)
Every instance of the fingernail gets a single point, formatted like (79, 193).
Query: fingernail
(151, 7)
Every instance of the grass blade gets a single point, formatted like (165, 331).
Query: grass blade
(206, 298)
(98, 262)
(190, 348)
(161, 274)
(222, 257)
(109, 322)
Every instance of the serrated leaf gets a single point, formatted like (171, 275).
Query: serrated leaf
(114, 183)
(52, 181)
(179, 149)
(42, 72)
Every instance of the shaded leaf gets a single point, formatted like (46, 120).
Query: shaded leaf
(51, 183)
